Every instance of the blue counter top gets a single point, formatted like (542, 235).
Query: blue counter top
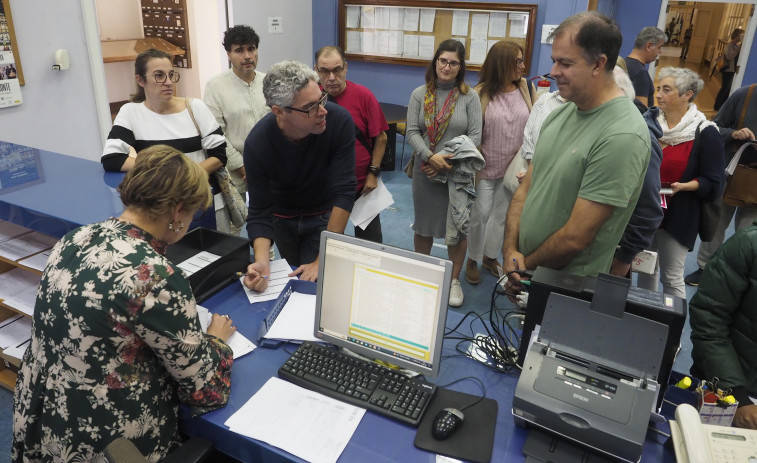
(53, 193)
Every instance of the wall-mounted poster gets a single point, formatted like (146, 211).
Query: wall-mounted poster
(11, 77)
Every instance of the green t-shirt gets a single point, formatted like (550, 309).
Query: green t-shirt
(600, 155)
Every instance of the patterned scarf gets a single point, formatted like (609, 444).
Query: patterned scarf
(436, 124)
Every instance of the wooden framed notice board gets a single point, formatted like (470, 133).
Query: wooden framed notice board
(409, 31)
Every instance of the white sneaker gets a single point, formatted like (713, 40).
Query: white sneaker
(456, 293)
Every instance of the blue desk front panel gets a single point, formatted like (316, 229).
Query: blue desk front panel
(377, 439)
(57, 193)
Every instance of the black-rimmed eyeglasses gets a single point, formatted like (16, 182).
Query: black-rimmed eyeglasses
(311, 110)
(160, 77)
(452, 64)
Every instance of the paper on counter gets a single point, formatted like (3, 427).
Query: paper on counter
(369, 206)
(280, 270)
(37, 261)
(296, 320)
(26, 245)
(18, 289)
(239, 344)
(14, 331)
(304, 423)
(17, 351)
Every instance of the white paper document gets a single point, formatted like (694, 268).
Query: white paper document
(37, 261)
(497, 24)
(17, 351)
(239, 344)
(479, 26)
(280, 270)
(369, 206)
(518, 25)
(460, 22)
(427, 19)
(304, 423)
(296, 320)
(26, 245)
(426, 46)
(478, 50)
(198, 262)
(14, 331)
(410, 19)
(353, 16)
(18, 289)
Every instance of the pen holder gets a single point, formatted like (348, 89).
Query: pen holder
(675, 395)
(717, 413)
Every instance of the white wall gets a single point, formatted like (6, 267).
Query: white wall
(297, 40)
(58, 113)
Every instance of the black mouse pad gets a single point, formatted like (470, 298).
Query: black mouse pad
(474, 440)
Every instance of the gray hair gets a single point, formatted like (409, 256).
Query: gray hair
(685, 79)
(624, 82)
(651, 35)
(284, 79)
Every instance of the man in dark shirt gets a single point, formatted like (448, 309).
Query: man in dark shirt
(646, 48)
(300, 164)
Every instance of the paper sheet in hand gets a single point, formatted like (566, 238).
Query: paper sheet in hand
(306, 424)
(296, 320)
(239, 344)
(368, 206)
(280, 270)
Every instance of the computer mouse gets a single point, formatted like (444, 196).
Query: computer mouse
(446, 423)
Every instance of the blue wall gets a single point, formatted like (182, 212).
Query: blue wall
(394, 83)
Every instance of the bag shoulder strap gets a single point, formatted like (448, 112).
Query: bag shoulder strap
(188, 102)
(746, 104)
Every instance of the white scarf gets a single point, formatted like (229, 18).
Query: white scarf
(686, 129)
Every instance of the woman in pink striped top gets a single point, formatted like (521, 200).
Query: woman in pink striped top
(506, 101)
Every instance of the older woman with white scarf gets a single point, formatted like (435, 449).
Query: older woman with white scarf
(693, 168)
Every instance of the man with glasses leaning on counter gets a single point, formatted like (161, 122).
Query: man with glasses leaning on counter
(300, 164)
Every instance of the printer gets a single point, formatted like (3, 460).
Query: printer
(589, 375)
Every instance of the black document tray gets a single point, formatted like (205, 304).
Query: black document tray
(234, 252)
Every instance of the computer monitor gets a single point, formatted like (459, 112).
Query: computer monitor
(382, 302)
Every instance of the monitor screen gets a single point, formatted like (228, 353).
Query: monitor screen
(382, 302)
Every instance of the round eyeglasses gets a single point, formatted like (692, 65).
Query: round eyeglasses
(160, 76)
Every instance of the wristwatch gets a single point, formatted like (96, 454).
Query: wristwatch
(375, 170)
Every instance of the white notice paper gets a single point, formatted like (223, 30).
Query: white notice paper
(296, 321)
(353, 42)
(426, 46)
(479, 26)
(427, 19)
(280, 270)
(497, 24)
(478, 51)
(353, 16)
(304, 423)
(368, 18)
(410, 45)
(410, 19)
(518, 25)
(460, 22)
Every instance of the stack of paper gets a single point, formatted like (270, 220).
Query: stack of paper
(280, 270)
(26, 245)
(18, 289)
(15, 333)
(304, 423)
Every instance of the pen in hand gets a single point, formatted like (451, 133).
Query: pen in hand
(241, 274)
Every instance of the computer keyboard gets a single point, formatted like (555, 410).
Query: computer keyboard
(358, 382)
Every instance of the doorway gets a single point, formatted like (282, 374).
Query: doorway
(711, 24)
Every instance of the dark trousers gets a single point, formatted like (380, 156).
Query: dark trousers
(372, 232)
(725, 89)
(298, 238)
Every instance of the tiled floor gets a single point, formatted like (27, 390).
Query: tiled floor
(396, 223)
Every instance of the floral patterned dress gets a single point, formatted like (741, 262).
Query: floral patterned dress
(116, 346)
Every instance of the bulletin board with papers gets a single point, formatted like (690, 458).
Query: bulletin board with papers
(408, 32)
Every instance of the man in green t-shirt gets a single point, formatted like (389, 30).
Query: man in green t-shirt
(589, 163)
